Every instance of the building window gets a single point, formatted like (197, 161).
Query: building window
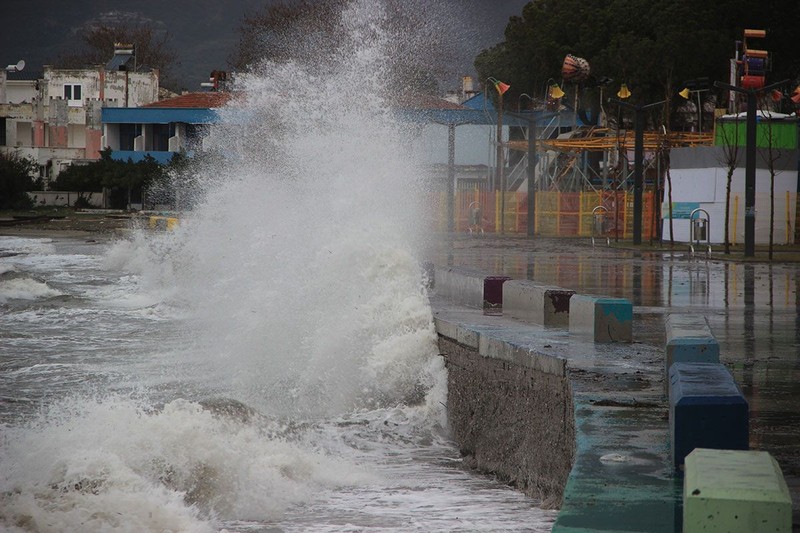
(128, 134)
(161, 137)
(72, 94)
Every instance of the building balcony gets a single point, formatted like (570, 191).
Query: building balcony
(136, 156)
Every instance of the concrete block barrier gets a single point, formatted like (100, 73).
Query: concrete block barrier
(162, 223)
(706, 410)
(540, 304)
(689, 340)
(735, 491)
(471, 288)
(603, 319)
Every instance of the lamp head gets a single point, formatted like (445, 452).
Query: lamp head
(623, 92)
(501, 87)
(795, 96)
(556, 92)
(685, 93)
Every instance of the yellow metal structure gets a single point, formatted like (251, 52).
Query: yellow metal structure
(600, 139)
(163, 223)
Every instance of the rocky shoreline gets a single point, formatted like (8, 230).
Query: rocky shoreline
(72, 225)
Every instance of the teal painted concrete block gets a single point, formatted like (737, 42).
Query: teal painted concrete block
(735, 491)
(604, 319)
(689, 340)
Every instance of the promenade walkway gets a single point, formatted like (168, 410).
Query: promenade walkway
(752, 309)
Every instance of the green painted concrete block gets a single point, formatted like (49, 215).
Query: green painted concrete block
(735, 491)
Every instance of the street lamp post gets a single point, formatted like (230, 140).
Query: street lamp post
(451, 178)
(750, 161)
(500, 184)
(531, 168)
(638, 163)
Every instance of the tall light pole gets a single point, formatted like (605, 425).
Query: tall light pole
(638, 163)
(451, 178)
(500, 184)
(531, 171)
(750, 161)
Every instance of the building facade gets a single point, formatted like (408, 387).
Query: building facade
(161, 129)
(55, 119)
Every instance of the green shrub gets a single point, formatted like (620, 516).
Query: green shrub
(15, 181)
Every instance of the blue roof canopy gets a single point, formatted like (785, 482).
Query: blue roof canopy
(158, 115)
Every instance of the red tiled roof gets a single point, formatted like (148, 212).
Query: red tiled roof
(215, 100)
(204, 100)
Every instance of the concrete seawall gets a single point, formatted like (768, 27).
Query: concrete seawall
(580, 425)
(510, 411)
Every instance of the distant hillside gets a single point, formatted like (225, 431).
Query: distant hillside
(204, 32)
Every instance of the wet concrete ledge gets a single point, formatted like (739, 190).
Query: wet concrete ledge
(582, 426)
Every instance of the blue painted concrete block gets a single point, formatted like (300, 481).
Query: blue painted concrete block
(706, 410)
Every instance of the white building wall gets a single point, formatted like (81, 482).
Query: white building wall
(23, 135)
(111, 136)
(706, 189)
(119, 88)
(18, 92)
(473, 144)
(74, 123)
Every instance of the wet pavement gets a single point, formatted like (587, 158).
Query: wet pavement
(751, 307)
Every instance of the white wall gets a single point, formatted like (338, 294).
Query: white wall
(64, 198)
(473, 144)
(706, 188)
(18, 92)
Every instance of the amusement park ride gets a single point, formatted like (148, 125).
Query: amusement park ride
(596, 159)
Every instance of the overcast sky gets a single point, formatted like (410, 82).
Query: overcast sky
(204, 32)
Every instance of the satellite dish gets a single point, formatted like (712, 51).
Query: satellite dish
(16, 68)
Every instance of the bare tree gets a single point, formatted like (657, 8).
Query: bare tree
(770, 156)
(153, 50)
(729, 158)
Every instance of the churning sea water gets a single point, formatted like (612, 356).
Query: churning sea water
(271, 365)
(121, 413)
